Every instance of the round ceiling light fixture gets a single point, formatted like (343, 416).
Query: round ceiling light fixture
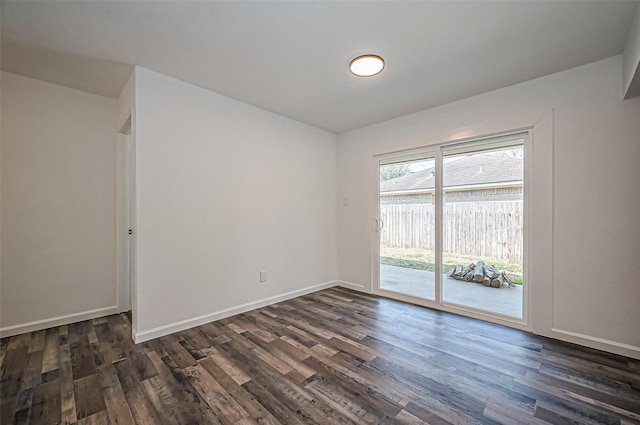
(366, 65)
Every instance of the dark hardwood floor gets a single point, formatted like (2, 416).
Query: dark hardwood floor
(332, 357)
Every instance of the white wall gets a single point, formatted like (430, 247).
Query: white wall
(225, 190)
(592, 290)
(58, 205)
(125, 102)
(631, 61)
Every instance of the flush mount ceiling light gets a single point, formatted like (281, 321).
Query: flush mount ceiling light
(366, 65)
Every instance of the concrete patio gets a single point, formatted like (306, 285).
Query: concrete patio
(420, 283)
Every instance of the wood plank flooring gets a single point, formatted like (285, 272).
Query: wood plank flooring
(332, 357)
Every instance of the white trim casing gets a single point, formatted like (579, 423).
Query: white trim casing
(120, 226)
(539, 197)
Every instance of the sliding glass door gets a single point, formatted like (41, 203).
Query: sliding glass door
(406, 225)
(450, 227)
(483, 227)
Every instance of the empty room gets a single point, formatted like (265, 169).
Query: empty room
(319, 212)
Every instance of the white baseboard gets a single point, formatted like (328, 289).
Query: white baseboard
(595, 342)
(350, 285)
(57, 321)
(227, 312)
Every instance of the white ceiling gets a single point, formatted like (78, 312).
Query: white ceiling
(292, 57)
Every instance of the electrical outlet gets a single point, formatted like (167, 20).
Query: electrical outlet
(263, 277)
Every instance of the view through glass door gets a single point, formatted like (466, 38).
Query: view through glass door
(458, 211)
(483, 228)
(407, 227)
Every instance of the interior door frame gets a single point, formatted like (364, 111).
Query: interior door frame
(126, 222)
(436, 151)
(389, 158)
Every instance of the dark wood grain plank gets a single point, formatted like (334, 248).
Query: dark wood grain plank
(50, 353)
(12, 368)
(88, 400)
(176, 394)
(32, 374)
(141, 408)
(37, 341)
(99, 418)
(67, 392)
(45, 408)
(82, 360)
(256, 411)
(115, 401)
(226, 408)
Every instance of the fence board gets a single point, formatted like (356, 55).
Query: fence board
(484, 229)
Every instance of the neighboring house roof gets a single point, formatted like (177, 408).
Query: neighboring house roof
(466, 171)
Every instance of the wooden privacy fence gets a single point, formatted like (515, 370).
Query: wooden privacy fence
(483, 229)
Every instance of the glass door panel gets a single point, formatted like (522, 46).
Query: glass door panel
(406, 226)
(482, 228)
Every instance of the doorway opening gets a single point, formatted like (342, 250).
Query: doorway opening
(126, 222)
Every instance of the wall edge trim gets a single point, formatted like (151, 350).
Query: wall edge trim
(597, 343)
(66, 319)
(227, 312)
(351, 285)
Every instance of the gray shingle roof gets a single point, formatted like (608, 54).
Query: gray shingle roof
(467, 170)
